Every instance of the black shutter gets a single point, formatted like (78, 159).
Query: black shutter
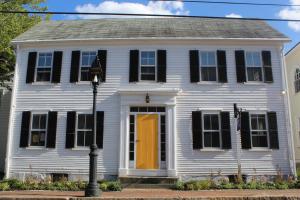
(194, 66)
(245, 131)
(222, 66)
(273, 130)
(70, 133)
(100, 126)
(240, 66)
(197, 129)
(31, 67)
(51, 133)
(161, 66)
(75, 64)
(225, 127)
(25, 129)
(267, 66)
(57, 62)
(102, 54)
(134, 66)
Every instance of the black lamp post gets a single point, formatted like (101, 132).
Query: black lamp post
(92, 189)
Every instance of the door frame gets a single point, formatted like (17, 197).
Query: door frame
(158, 97)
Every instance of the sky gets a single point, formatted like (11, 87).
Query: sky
(290, 29)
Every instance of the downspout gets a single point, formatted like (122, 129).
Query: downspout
(11, 116)
(285, 90)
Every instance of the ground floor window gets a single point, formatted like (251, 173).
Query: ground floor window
(259, 132)
(38, 130)
(211, 130)
(84, 130)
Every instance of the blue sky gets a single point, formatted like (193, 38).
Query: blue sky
(293, 32)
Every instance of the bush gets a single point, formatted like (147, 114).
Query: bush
(4, 186)
(179, 185)
(114, 186)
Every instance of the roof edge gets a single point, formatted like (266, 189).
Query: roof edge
(292, 49)
(154, 38)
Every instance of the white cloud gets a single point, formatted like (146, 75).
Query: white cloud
(233, 15)
(291, 13)
(152, 7)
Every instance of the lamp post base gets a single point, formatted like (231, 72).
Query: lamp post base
(92, 190)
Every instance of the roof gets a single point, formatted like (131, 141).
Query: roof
(140, 28)
(292, 49)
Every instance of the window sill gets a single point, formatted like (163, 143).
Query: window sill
(209, 83)
(83, 83)
(255, 83)
(146, 82)
(43, 83)
(261, 149)
(81, 148)
(36, 148)
(212, 150)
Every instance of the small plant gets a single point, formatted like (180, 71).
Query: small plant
(4, 186)
(114, 186)
(179, 185)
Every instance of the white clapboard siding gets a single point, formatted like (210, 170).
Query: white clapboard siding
(66, 96)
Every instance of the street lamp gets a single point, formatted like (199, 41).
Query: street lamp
(92, 189)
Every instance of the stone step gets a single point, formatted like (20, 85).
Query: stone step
(148, 180)
(147, 186)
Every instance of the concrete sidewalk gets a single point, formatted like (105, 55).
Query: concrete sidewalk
(158, 194)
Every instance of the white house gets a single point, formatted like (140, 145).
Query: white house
(191, 70)
(292, 59)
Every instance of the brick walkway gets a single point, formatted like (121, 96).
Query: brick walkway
(158, 194)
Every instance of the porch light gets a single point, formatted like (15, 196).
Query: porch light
(147, 99)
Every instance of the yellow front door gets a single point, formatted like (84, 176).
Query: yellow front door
(147, 141)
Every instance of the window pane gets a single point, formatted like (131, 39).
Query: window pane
(88, 138)
(161, 109)
(43, 74)
(211, 58)
(148, 77)
(249, 60)
(163, 137)
(254, 122)
(163, 156)
(48, 60)
(85, 59)
(256, 59)
(215, 122)
(81, 121)
(84, 76)
(254, 73)
(131, 155)
(262, 123)
(37, 138)
(41, 61)
(35, 122)
(259, 141)
(209, 73)
(162, 119)
(148, 58)
(43, 121)
(151, 109)
(80, 138)
(207, 139)
(148, 70)
(215, 139)
(207, 123)
(204, 60)
(89, 121)
(142, 109)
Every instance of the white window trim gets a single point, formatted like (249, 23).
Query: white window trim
(76, 131)
(31, 129)
(37, 66)
(140, 65)
(220, 131)
(216, 66)
(261, 66)
(80, 65)
(267, 130)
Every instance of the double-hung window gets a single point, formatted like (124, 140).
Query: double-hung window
(84, 130)
(87, 59)
(44, 67)
(254, 66)
(297, 80)
(148, 66)
(211, 130)
(38, 130)
(208, 68)
(259, 131)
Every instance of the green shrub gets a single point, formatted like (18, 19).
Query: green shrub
(191, 185)
(282, 186)
(203, 185)
(114, 186)
(104, 186)
(179, 185)
(4, 186)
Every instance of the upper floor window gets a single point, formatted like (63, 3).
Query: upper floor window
(87, 59)
(297, 80)
(148, 66)
(259, 131)
(208, 68)
(84, 130)
(254, 66)
(38, 130)
(44, 67)
(211, 130)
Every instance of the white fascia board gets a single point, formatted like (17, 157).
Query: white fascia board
(160, 91)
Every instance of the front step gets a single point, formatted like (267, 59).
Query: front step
(147, 182)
